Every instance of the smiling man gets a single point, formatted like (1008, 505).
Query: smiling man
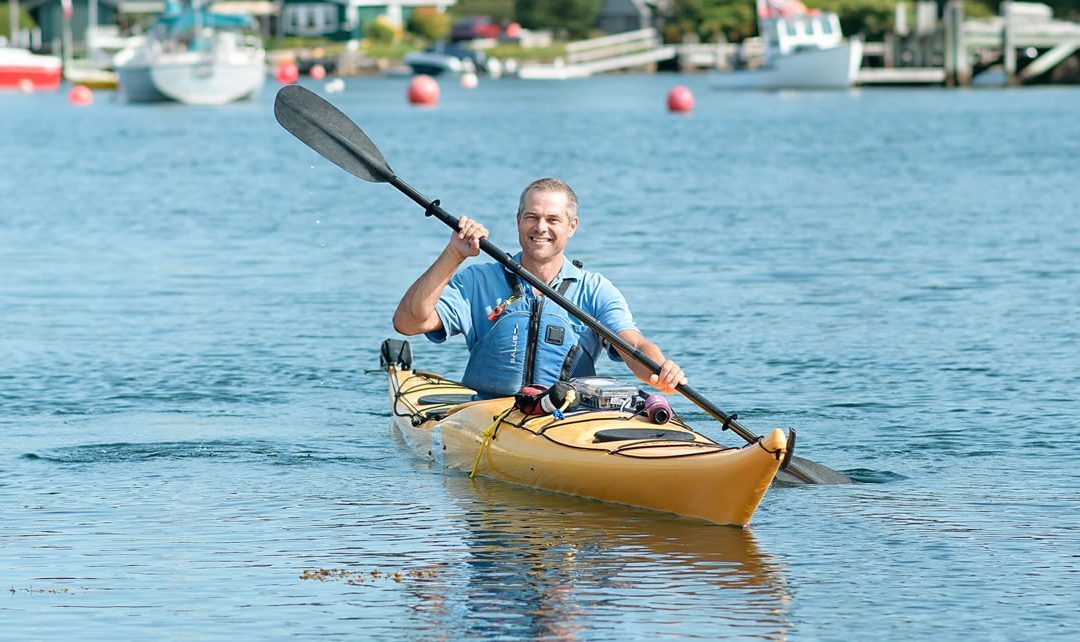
(516, 337)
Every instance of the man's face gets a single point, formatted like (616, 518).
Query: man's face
(544, 226)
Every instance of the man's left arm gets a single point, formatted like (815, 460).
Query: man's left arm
(671, 374)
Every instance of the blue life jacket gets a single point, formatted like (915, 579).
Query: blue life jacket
(532, 341)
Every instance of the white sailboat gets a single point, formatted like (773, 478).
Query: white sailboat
(804, 49)
(194, 57)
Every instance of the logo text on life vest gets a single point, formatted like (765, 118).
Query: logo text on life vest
(514, 341)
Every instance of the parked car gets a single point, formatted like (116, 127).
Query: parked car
(475, 27)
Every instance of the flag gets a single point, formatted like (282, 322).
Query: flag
(780, 8)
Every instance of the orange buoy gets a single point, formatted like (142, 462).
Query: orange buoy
(287, 73)
(513, 30)
(680, 99)
(318, 72)
(423, 90)
(81, 95)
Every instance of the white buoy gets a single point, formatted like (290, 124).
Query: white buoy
(469, 80)
(335, 86)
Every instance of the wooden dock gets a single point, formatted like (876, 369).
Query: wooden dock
(633, 49)
(900, 76)
(1025, 42)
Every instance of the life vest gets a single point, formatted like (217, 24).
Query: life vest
(533, 341)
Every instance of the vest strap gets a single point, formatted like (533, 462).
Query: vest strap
(518, 288)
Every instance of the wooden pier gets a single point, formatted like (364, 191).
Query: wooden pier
(634, 49)
(1025, 42)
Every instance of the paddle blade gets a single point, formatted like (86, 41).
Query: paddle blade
(803, 471)
(323, 127)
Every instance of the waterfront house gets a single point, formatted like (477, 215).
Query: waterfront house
(49, 16)
(345, 19)
(111, 17)
(618, 16)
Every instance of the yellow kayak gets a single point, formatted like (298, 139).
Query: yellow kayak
(610, 455)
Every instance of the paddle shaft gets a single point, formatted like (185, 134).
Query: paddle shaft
(332, 134)
(434, 209)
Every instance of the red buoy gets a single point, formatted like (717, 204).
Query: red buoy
(287, 73)
(81, 95)
(680, 99)
(423, 90)
(318, 72)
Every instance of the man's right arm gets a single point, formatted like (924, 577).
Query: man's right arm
(416, 313)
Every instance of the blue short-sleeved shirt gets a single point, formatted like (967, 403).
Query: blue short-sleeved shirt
(472, 294)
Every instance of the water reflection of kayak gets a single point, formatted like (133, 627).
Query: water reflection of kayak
(548, 566)
(523, 515)
(611, 455)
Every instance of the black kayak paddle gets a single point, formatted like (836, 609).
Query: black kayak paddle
(323, 128)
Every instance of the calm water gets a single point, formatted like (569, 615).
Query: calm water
(189, 299)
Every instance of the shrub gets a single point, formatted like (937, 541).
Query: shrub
(430, 23)
(379, 31)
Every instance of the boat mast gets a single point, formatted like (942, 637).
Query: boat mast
(67, 7)
(91, 24)
(13, 21)
(197, 24)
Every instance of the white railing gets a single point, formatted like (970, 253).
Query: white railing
(607, 53)
(606, 41)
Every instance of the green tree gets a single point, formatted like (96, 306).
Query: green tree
(380, 32)
(500, 10)
(429, 23)
(710, 18)
(25, 21)
(576, 17)
(735, 20)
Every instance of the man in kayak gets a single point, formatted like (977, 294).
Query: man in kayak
(514, 336)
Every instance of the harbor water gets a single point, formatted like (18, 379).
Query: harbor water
(193, 445)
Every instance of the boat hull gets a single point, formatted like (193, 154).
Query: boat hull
(92, 77)
(20, 69)
(211, 83)
(833, 68)
(434, 64)
(137, 86)
(688, 475)
(191, 82)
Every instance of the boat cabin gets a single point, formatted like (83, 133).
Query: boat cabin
(786, 35)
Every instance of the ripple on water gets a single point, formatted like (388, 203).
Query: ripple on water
(252, 451)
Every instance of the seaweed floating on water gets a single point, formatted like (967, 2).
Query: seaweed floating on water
(357, 578)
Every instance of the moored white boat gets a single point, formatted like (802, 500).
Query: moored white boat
(82, 73)
(196, 58)
(450, 59)
(804, 49)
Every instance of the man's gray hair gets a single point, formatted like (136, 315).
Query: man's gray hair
(550, 185)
